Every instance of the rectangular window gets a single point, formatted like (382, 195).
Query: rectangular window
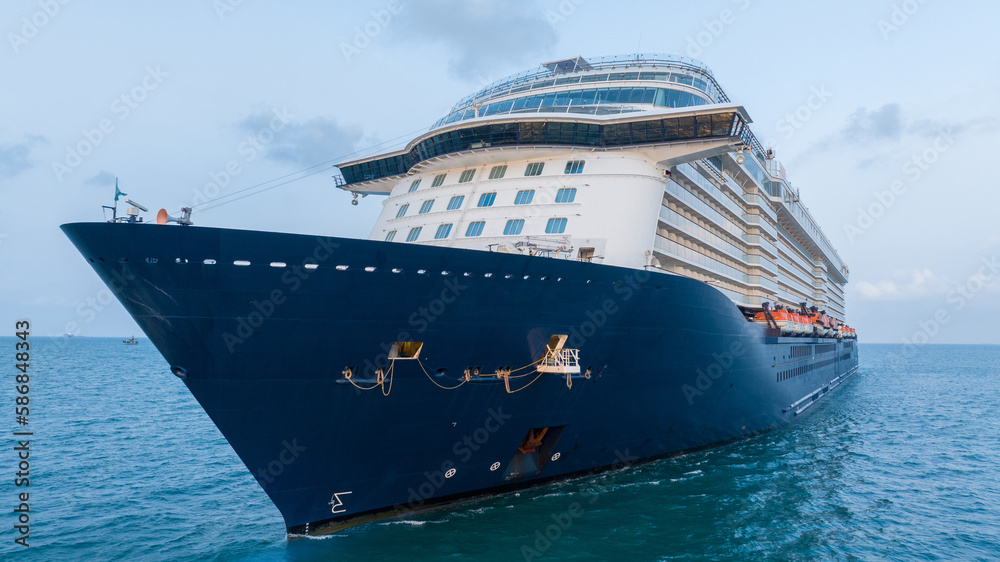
(534, 169)
(513, 227)
(443, 231)
(426, 207)
(486, 200)
(498, 172)
(402, 211)
(438, 180)
(467, 176)
(475, 228)
(456, 202)
(524, 197)
(566, 195)
(414, 234)
(390, 236)
(574, 167)
(414, 185)
(555, 226)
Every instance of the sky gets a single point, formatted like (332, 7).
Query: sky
(883, 112)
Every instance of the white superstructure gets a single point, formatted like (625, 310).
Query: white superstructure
(638, 161)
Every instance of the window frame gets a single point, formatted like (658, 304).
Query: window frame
(447, 231)
(559, 222)
(534, 169)
(478, 226)
(492, 196)
(569, 197)
(530, 197)
(514, 227)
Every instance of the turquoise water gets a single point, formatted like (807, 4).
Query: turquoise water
(903, 462)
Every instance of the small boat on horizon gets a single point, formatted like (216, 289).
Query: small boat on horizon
(130, 341)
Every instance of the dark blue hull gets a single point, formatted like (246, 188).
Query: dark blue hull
(673, 365)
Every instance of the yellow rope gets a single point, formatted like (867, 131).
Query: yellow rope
(509, 391)
(430, 378)
(391, 369)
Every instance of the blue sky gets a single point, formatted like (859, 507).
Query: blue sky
(883, 112)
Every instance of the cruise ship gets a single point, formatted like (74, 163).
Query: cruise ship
(582, 266)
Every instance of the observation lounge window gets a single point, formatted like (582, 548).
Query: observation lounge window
(402, 211)
(475, 228)
(513, 227)
(487, 199)
(574, 167)
(467, 176)
(414, 234)
(438, 180)
(524, 197)
(390, 236)
(426, 207)
(498, 172)
(566, 195)
(414, 185)
(555, 226)
(534, 169)
(456, 202)
(442, 232)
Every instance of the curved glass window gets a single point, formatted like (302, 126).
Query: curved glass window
(720, 124)
(513, 227)
(414, 234)
(593, 101)
(566, 195)
(390, 236)
(486, 200)
(426, 207)
(456, 202)
(438, 180)
(414, 185)
(475, 228)
(524, 197)
(555, 226)
(402, 211)
(442, 232)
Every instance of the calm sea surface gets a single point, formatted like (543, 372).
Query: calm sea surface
(902, 463)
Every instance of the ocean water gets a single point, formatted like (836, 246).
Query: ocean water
(901, 463)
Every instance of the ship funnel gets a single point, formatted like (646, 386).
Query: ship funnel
(185, 219)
